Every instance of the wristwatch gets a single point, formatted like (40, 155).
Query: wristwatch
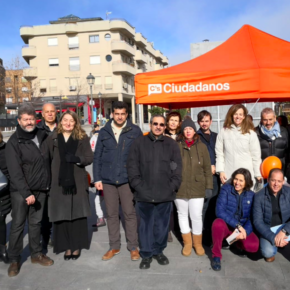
(285, 232)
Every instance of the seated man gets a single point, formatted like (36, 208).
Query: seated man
(272, 208)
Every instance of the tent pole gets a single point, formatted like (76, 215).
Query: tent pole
(140, 118)
(253, 106)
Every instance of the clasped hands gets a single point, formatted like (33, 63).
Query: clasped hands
(280, 240)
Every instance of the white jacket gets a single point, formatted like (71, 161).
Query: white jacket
(235, 150)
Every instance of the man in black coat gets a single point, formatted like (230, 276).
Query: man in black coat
(28, 166)
(154, 169)
(208, 137)
(110, 175)
(48, 124)
(273, 137)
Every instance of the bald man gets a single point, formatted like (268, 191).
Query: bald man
(47, 124)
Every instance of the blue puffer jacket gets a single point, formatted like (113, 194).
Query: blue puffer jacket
(262, 212)
(110, 157)
(227, 207)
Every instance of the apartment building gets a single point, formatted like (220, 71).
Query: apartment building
(18, 88)
(2, 87)
(63, 53)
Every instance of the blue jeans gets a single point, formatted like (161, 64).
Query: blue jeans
(267, 249)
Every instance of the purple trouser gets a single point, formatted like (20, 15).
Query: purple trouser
(220, 231)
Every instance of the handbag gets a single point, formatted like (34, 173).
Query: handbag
(3, 180)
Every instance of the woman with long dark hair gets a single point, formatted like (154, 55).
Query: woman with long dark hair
(5, 202)
(237, 145)
(233, 211)
(68, 202)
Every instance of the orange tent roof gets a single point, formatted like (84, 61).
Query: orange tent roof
(250, 65)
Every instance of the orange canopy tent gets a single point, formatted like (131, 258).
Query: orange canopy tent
(251, 65)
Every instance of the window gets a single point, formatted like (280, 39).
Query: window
(108, 83)
(25, 99)
(95, 59)
(108, 37)
(8, 100)
(9, 90)
(8, 80)
(42, 84)
(73, 42)
(24, 89)
(52, 85)
(98, 82)
(52, 41)
(73, 84)
(74, 63)
(94, 38)
(23, 80)
(53, 62)
(108, 58)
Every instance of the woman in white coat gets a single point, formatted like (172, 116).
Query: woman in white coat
(237, 145)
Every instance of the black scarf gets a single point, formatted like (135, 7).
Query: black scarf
(66, 171)
(26, 135)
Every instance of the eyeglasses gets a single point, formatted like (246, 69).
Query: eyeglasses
(156, 124)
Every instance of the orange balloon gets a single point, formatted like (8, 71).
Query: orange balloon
(268, 164)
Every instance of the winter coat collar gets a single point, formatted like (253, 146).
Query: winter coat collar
(108, 127)
(153, 138)
(200, 132)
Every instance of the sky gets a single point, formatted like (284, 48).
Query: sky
(172, 25)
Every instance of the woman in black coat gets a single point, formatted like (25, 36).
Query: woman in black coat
(5, 202)
(68, 201)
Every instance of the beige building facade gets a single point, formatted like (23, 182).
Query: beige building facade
(62, 54)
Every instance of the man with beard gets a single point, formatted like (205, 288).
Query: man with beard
(28, 165)
(154, 169)
(48, 124)
(110, 175)
(208, 137)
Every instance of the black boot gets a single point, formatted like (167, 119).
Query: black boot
(4, 254)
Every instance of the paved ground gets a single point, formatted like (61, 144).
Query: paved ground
(89, 272)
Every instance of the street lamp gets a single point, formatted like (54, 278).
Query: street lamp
(91, 81)
(100, 101)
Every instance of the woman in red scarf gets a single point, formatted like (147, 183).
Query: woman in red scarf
(196, 179)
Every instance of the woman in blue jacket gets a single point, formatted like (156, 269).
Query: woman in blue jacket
(233, 211)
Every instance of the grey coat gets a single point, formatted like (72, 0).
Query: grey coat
(69, 207)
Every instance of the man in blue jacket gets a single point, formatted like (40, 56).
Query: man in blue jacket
(208, 137)
(110, 175)
(272, 208)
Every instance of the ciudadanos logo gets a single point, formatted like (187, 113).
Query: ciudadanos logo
(200, 87)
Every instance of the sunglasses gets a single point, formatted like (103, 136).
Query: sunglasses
(156, 124)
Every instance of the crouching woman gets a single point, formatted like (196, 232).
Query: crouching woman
(233, 211)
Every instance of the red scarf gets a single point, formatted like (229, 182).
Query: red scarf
(189, 143)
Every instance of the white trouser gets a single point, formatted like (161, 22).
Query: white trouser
(98, 200)
(194, 207)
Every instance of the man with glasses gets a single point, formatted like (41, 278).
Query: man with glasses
(110, 175)
(28, 165)
(154, 168)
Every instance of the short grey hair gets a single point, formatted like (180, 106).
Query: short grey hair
(26, 109)
(48, 104)
(157, 116)
(267, 111)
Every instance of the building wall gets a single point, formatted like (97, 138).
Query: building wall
(17, 88)
(2, 87)
(199, 48)
(131, 53)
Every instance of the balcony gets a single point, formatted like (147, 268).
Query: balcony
(158, 54)
(71, 28)
(26, 32)
(122, 25)
(30, 73)
(165, 60)
(122, 46)
(28, 52)
(140, 57)
(157, 66)
(140, 39)
(123, 68)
